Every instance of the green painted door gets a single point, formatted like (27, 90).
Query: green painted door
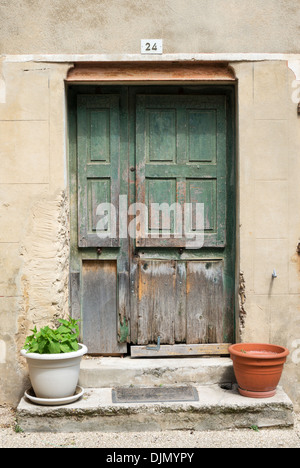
(153, 215)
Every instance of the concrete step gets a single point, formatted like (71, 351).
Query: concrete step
(114, 371)
(218, 404)
(216, 409)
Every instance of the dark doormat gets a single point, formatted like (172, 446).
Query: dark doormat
(153, 394)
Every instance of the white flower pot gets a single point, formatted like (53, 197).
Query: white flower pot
(54, 375)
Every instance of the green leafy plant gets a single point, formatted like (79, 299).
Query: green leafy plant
(63, 339)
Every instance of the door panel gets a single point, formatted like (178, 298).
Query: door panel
(181, 159)
(99, 302)
(202, 135)
(156, 301)
(180, 302)
(98, 170)
(204, 301)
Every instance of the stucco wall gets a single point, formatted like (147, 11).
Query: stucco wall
(34, 251)
(34, 248)
(269, 214)
(110, 27)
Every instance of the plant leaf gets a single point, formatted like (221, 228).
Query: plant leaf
(65, 348)
(74, 345)
(63, 329)
(41, 345)
(54, 348)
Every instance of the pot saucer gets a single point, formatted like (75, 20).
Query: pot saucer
(250, 394)
(54, 401)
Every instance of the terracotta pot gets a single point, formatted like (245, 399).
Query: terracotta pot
(258, 368)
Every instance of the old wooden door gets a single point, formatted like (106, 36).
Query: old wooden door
(147, 159)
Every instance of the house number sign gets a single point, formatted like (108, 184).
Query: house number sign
(151, 46)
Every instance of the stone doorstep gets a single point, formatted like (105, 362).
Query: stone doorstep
(114, 371)
(217, 409)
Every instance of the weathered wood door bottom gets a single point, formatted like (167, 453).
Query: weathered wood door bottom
(179, 301)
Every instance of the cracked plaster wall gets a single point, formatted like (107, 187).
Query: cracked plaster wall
(268, 209)
(34, 211)
(45, 261)
(33, 179)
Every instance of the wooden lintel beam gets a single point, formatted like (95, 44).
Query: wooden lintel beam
(133, 72)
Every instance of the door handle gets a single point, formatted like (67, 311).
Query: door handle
(132, 168)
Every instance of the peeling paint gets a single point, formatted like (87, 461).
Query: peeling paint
(123, 331)
(294, 65)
